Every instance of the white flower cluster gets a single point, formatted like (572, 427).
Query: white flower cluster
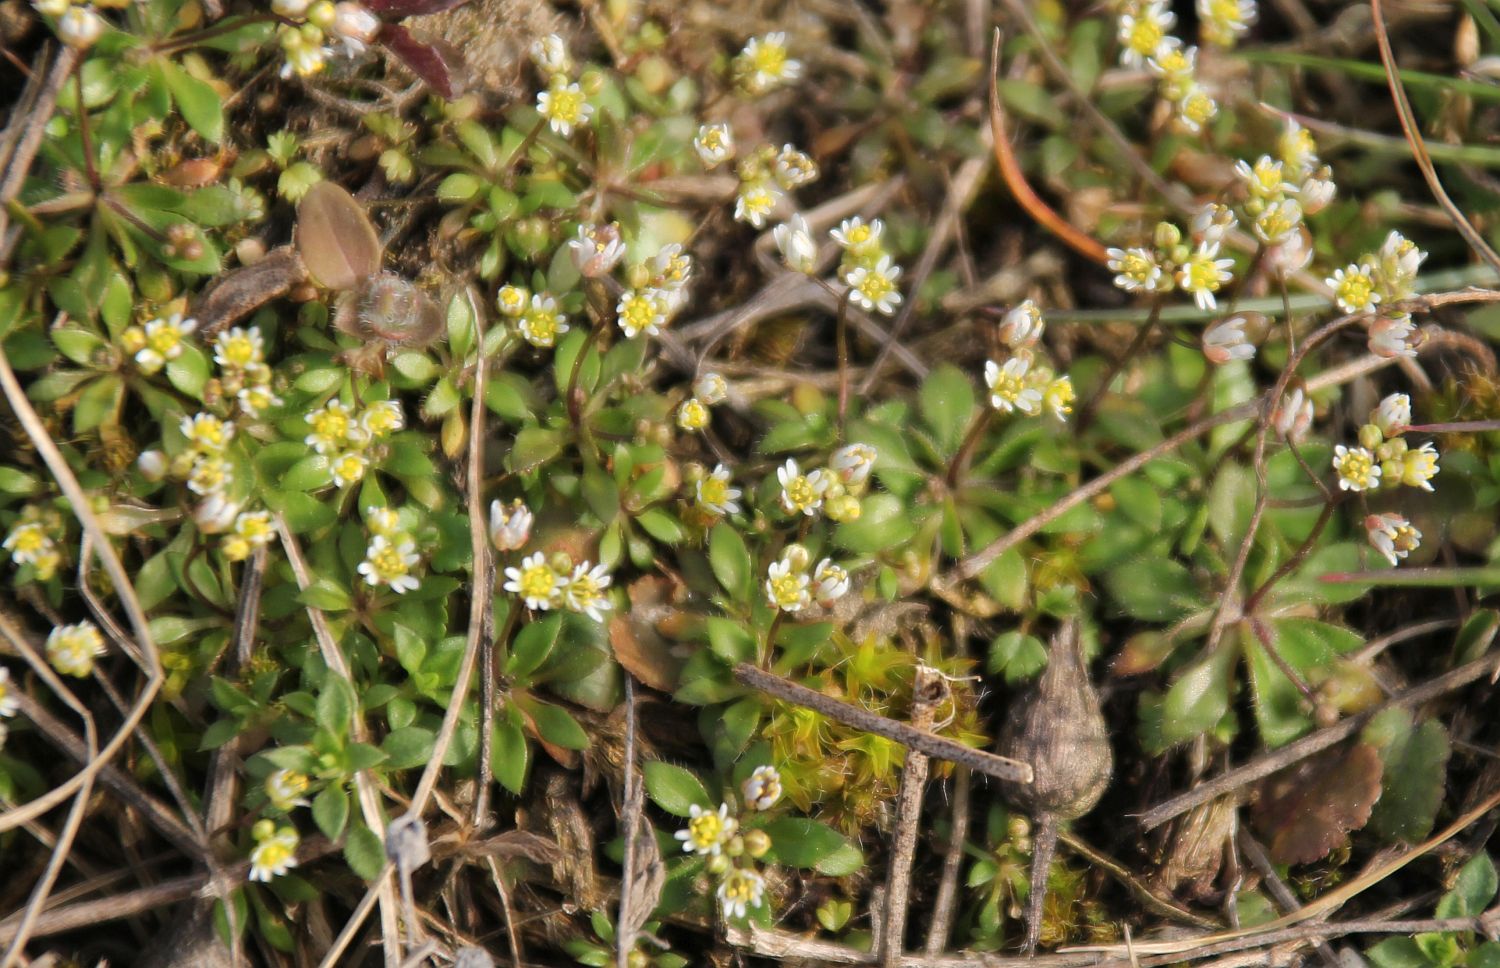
(391, 554)
(544, 583)
(793, 585)
(310, 25)
(33, 540)
(731, 852)
(1375, 285)
(834, 490)
(766, 174)
(337, 432)
(1382, 456)
(1021, 384)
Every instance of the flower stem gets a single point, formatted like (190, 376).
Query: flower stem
(841, 336)
(83, 129)
(966, 449)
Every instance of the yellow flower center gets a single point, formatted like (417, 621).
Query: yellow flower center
(1145, 37)
(538, 582)
(1355, 466)
(389, 564)
(332, 424)
(164, 339)
(769, 59)
(29, 538)
(271, 854)
(800, 492)
(787, 591)
(1202, 274)
(1355, 289)
(541, 324)
(1008, 387)
(349, 468)
(1137, 267)
(565, 104)
(238, 351)
(706, 829)
(875, 286)
(714, 491)
(639, 312)
(738, 887)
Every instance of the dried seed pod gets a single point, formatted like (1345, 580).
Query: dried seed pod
(1059, 729)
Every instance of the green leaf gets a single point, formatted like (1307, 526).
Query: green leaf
(189, 372)
(532, 646)
(731, 641)
(1414, 776)
(730, 560)
(1155, 589)
(883, 525)
(1397, 953)
(1017, 655)
(674, 789)
(330, 810)
(946, 400)
(509, 755)
(197, 100)
(364, 852)
(99, 403)
(801, 842)
(1475, 889)
(533, 447)
(1199, 698)
(408, 747)
(557, 726)
(326, 594)
(335, 705)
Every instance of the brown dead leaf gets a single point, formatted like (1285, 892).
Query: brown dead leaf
(638, 644)
(1305, 812)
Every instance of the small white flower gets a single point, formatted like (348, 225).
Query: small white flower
(711, 388)
(72, 649)
(1419, 467)
(8, 701)
(1009, 390)
(382, 418)
(510, 527)
(787, 587)
(762, 788)
(254, 399)
(1143, 33)
(584, 591)
(382, 521)
(1393, 415)
(795, 241)
(715, 494)
(348, 468)
(765, 65)
(714, 144)
(334, 427)
(1058, 397)
(274, 855)
(1213, 222)
(152, 464)
(389, 562)
(1203, 273)
(541, 324)
(707, 830)
(1298, 150)
(285, 789)
(1277, 221)
(564, 106)
(1391, 337)
(756, 201)
(794, 168)
(741, 889)
(596, 249)
(163, 340)
(237, 348)
(671, 268)
(1317, 191)
(832, 582)
(80, 27)
(1356, 469)
(1136, 270)
(512, 300)
(852, 463)
(859, 238)
(641, 311)
(550, 54)
(206, 433)
(1022, 326)
(1391, 535)
(291, 9)
(209, 475)
(51, 8)
(216, 513)
(1397, 266)
(1195, 108)
(873, 288)
(1292, 254)
(355, 27)
(1354, 287)
(801, 493)
(536, 582)
(1226, 341)
(1266, 179)
(1223, 21)
(692, 415)
(1293, 416)
(27, 541)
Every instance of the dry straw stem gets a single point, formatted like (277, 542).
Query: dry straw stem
(1298, 750)
(927, 691)
(369, 800)
(1418, 146)
(946, 900)
(921, 740)
(22, 137)
(64, 842)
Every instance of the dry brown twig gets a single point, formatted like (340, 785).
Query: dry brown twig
(928, 690)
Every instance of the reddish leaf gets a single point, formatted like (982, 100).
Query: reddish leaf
(1307, 811)
(436, 66)
(399, 9)
(636, 635)
(337, 243)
